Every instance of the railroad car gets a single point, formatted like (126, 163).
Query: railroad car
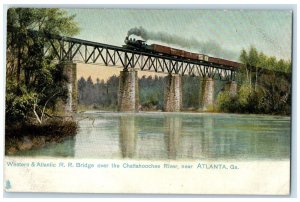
(203, 57)
(177, 52)
(213, 60)
(192, 56)
(141, 45)
(236, 64)
(160, 49)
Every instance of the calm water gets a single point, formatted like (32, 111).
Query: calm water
(175, 136)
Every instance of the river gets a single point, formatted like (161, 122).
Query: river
(159, 136)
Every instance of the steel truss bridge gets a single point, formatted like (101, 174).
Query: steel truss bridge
(68, 49)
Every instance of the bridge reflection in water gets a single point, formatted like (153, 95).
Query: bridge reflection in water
(177, 136)
(206, 137)
(172, 136)
(127, 136)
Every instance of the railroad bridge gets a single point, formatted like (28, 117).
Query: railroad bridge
(69, 51)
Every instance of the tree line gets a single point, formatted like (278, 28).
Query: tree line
(104, 94)
(264, 85)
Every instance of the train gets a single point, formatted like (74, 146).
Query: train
(140, 45)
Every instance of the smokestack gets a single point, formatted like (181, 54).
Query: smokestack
(205, 47)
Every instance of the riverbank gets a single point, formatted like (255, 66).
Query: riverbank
(96, 110)
(26, 136)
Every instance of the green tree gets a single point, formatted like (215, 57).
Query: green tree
(272, 86)
(245, 63)
(253, 61)
(34, 81)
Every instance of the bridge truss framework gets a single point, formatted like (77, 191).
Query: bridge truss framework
(68, 49)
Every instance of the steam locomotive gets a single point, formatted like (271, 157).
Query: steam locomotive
(133, 44)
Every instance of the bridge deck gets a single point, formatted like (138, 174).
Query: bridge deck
(69, 49)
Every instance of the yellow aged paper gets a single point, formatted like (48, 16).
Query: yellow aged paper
(98, 176)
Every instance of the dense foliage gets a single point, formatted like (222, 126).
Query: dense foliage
(33, 82)
(151, 92)
(104, 95)
(100, 94)
(264, 86)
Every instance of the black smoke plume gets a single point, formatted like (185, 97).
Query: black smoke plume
(205, 47)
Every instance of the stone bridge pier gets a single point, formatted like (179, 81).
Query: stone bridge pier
(128, 95)
(231, 87)
(207, 94)
(173, 93)
(70, 70)
(207, 98)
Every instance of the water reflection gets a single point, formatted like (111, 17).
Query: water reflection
(176, 136)
(65, 148)
(98, 138)
(127, 136)
(198, 138)
(172, 128)
(208, 137)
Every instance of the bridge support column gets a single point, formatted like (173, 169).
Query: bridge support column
(173, 94)
(128, 96)
(70, 70)
(231, 87)
(207, 96)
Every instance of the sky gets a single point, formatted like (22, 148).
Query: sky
(222, 33)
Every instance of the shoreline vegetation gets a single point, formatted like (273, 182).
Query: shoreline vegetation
(30, 135)
(36, 85)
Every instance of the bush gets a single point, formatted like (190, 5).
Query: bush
(228, 103)
(250, 101)
(243, 95)
(246, 101)
(224, 101)
(19, 102)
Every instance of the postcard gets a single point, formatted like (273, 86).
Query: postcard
(165, 101)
